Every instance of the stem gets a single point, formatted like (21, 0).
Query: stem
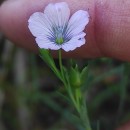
(84, 116)
(66, 82)
(80, 105)
(73, 99)
(61, 66)
(76, 97)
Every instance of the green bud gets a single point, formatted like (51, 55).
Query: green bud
(75, 80)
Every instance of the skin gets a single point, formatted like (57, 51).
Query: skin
(125, 127)
(108, 32)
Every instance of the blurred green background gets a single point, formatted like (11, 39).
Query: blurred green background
(29, 99)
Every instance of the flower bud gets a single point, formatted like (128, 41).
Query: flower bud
(75, 80)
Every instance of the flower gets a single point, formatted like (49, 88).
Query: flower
(55, 29)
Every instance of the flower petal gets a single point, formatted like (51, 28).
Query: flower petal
(75, 42)
(77, 23)
(43, 42)
(39, 25)
(58, 13)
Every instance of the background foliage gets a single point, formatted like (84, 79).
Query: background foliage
(29, 98)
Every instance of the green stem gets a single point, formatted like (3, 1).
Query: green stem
(73, 98)
(61, 66)
(80, 105)
(66, 82)
(84, 116)
(76, 97)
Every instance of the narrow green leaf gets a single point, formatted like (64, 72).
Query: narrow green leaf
(84, 74)
(48, 59)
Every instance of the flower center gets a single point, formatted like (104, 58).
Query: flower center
(59, 36)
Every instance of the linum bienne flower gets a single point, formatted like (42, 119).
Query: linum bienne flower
(54, 28)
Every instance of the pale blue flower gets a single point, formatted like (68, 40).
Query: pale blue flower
(54, 28)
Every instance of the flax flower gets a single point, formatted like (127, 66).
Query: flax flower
(54, 28)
